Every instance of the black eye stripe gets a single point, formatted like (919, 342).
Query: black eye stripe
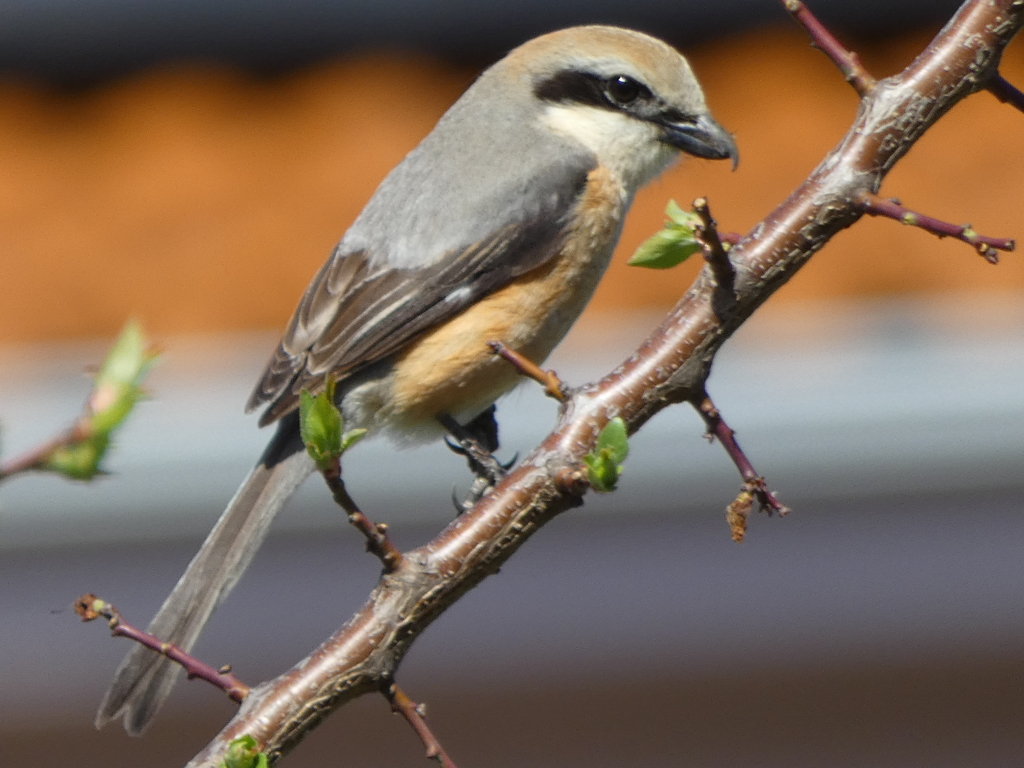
(572, 87)
(617, 92)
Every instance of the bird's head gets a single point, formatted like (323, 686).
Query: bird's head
(629, 98)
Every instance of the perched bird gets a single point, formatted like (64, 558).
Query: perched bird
(497, 227)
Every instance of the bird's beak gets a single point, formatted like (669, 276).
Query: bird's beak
(701, 137)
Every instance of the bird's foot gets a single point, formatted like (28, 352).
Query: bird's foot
(476, 441)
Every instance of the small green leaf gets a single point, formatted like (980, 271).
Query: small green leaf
(614, 438)
(79, 460)
(664, 250)
(117, 387)
(115, 392)
(673, 244)
(320, 425)
(679, 217)
(352, 437)
(243, 753)
(604, 464)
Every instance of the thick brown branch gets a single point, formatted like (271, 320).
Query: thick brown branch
(414, 715)
(846, 60)
(89, 607)
(999, 87)
(670, 367)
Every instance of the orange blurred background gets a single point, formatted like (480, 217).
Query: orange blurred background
(201, 199)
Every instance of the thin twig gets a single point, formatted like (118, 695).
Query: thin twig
(415, 715)
(753, 483)
(846, 60)
(376, 534)
(37, 457)
(1007, 93)
(90, 607)
(985, 246)
(553, 386)
(715, 253)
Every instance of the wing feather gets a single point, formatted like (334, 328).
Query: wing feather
(358, 310)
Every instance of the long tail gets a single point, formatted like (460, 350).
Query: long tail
(145, 679)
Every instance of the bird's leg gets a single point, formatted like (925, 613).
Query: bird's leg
(477, 441)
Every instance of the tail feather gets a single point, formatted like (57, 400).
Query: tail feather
(145, 678)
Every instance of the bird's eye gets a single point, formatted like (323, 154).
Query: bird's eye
(623, 90)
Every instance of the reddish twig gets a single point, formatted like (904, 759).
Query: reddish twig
(754, 486)
(553, 386)
(415, 715)
(37, 457)
(985, 246)
(376, 534)
(89, 607)
(999, 87)
(845, 59)
(715, 253)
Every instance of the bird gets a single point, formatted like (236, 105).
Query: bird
(496, 227)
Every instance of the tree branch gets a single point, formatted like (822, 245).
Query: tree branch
(89, 608)
(984, 245)
(754, 486)
(376, 534)
(670, 367)
(847, 61)
(415, 715)
(1005, 92)
(553, 386)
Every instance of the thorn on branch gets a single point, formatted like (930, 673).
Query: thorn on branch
(415, 715)
(553, 386)
(716, 254)
(754, 486)
(89, 607)
(986, 247)
(999, 87)
(847, 61)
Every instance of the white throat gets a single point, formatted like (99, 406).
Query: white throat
(630, 148)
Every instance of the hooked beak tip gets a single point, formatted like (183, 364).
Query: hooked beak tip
(702, 137)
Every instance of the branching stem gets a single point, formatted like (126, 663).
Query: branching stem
(376, 534)
(715, 253)
(847, 61)
(985, 246)
(36, 457)
(416, 717)
(553, 386)
(754, 486)
(89, 607)
(999, 87)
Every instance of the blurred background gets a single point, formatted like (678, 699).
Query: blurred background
(190, 164)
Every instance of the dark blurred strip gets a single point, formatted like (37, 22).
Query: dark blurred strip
(79, 42)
